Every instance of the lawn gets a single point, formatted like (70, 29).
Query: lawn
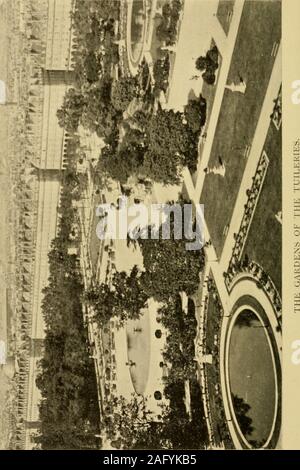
(224, 13)
(264, 242)
(260, 27)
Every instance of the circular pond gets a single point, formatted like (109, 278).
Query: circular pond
(136, 30)
(252, 378)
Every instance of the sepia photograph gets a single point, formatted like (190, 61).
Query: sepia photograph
(141, 225)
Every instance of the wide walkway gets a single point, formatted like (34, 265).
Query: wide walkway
(199, 27)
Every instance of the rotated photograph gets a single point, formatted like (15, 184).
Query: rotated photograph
(141, 233)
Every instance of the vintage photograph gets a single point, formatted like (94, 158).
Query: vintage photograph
(141, 224)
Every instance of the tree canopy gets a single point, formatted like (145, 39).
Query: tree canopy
(208, 64)
(69, 410)
(158, 150)
(123, 92)
(124, 299)
(169, 267)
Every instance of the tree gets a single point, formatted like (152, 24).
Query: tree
(241, 409)
(167, 142)
(123, 91)
(124, 299)
(209, 77)
(208, 64)
(72, 109)
(69, 410)
(99, 114)
(129, 424)
(92, 68)
(102, 299)
(210, 61)
(167, 29)
(195, 113)
(180, 348)
(157, 150)
(161, 71)
(169, 267)
(130, 293)
(201, 63)
(125, 160)
(180, 430)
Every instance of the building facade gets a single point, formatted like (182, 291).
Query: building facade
(50, 75)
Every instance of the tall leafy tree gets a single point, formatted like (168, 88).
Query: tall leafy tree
(124, 299)
(71, 111)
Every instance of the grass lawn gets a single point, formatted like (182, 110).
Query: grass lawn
(224, 13)
(260, 27)
(264, 242)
